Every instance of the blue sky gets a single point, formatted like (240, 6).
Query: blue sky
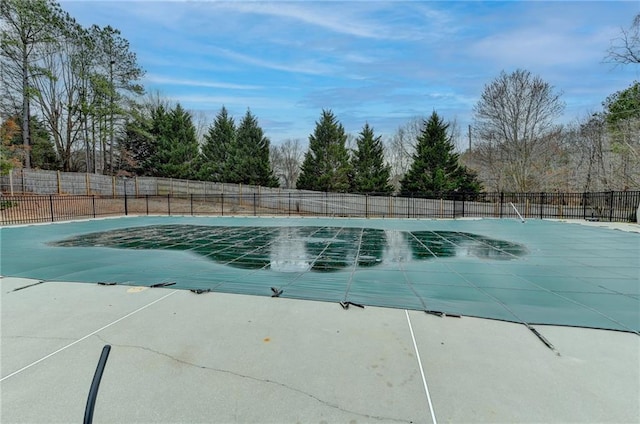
(376, 62)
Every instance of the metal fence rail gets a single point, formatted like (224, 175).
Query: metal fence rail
(606, 206)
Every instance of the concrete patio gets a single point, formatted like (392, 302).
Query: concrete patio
(181, 357)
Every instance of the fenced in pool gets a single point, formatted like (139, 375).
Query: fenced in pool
(538, 272)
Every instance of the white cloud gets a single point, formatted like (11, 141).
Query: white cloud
(540, 47)
(239, 104)
(159, 79)
(339, 17)
(306, 66)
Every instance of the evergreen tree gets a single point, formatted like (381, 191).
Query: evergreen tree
(177, 149)
(622, 106)
(370, 174)
(435, 167)
(219, 140)
(120, 71)
(326, 164)
(248, 160)
(42, 151)
(8, 160)
(149, 135)
(138, 146)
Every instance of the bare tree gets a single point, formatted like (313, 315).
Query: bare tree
(625, 49)
(58, 89)
(455, 133)
(350, 144)
(399, 149)
(516, 114)
(602, 159)
(286, 159)
(624, 137)
(548, 170)
(201, 121)
(486, 159)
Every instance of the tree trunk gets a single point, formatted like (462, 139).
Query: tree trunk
(111, 101)
(26, 135)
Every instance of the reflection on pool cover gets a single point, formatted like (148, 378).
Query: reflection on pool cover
(300, 249)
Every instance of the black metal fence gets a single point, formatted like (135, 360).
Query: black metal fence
(604, 206)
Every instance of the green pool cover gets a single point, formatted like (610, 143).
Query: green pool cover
(540, 272)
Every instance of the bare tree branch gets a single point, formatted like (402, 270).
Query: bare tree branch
(625, 49)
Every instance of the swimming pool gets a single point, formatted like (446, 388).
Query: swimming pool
(539, 272)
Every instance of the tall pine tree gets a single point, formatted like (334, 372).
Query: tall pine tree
(248, 160)
(435, 168)
(177, 151)
(28, 29)
(220, 139)
(139, 145)
(326, 164)
(370, 174)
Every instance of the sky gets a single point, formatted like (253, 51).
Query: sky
(381, 63)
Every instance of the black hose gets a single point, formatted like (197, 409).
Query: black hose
(162, 284)
(95, 384)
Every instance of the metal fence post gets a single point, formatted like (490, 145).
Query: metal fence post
(624, 205)
(51, 206)
(126, 206)
(93, 204)
(289, 203)
(541, 204)
(366, 206)
(453, 213)
(222, 203)
(326, 203)
(611, 206)
(146, 198)
(191, 202)
(584, 205)
(169, 204)
(254, 204)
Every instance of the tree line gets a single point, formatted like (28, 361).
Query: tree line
(518, 147)
(72, 100)
(74, 82)
(161, 141)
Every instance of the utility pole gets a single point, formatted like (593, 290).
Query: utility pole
(469, 138)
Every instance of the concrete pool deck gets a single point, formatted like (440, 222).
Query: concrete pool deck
(181, 357)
